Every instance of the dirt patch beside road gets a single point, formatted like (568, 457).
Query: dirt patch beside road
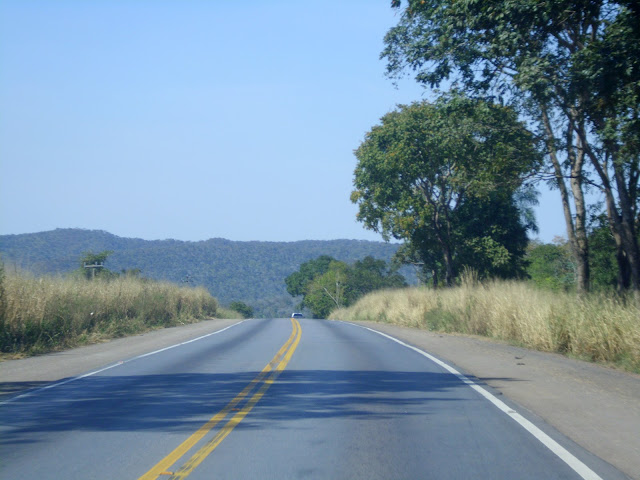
(597, 407)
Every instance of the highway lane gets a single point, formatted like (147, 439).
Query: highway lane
(322, 400)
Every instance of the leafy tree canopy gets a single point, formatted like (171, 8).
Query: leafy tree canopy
(551, 266)
(442, 176)
(333, 284)
(297, 282)
(92, 264)
(571, 68)
(242, 308)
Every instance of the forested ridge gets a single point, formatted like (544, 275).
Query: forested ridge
(252, 272)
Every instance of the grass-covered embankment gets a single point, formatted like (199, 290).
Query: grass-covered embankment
(50, 313)
(598, 328)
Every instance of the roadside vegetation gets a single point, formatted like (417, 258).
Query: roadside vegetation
(529, 100)
(229, 314)
(241, 309)
(571, 86)
(47, 313)
(326, 283)
(601, 328)
(251, 272)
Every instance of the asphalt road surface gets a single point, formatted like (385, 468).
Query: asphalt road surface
(281, 399)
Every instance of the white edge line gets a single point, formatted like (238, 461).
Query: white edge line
(580, 468)
(95, 372)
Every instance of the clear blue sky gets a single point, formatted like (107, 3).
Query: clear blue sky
(193, 119)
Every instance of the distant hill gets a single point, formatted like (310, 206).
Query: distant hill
(252, 272)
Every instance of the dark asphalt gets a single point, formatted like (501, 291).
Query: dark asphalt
(349, 404)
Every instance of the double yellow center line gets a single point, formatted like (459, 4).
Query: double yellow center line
(265, 378)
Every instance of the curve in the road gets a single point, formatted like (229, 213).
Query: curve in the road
(579, 467)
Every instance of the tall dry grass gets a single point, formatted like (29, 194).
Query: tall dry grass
(48, 313)
(598, 328)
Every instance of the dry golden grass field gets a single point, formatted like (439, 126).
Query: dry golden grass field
(48, 313)
(597, 328)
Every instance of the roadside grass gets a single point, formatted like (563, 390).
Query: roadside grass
(598, 328)
(43, 314)
(229, 314)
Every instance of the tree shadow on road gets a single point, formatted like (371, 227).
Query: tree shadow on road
(183, 402)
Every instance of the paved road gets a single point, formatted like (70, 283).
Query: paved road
(281, 399)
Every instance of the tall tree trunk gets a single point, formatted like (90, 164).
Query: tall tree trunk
(624, 272)
(628, 231)
(448, 264)
(579, 249)
(621, 219)
(576, 157)
(443, 234)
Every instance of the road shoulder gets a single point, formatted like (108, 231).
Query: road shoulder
(596, 407)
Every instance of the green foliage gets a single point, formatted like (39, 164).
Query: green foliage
(92, 264)
(443, 177)
(370, 274)
(606, 271)
(551, 266)
(492, 239)
(297, 282)
(571, 69)
(602, 261)
(327, 291)
(242, 308)
(330, 284)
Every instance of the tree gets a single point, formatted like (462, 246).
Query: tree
(336, 284)
(551, 265)
(97, 260)
(328, 291)
(242, 308)
(608, 271)
(297, 282)
(570, 67)
(493, 237)
(369, 274)
(430, 169)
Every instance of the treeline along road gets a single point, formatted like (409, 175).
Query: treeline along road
(282, 398)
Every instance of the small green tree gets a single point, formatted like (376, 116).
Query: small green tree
(328, 291)
(92, 264)
(297, 282)
(551, 265)
(242, 308)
